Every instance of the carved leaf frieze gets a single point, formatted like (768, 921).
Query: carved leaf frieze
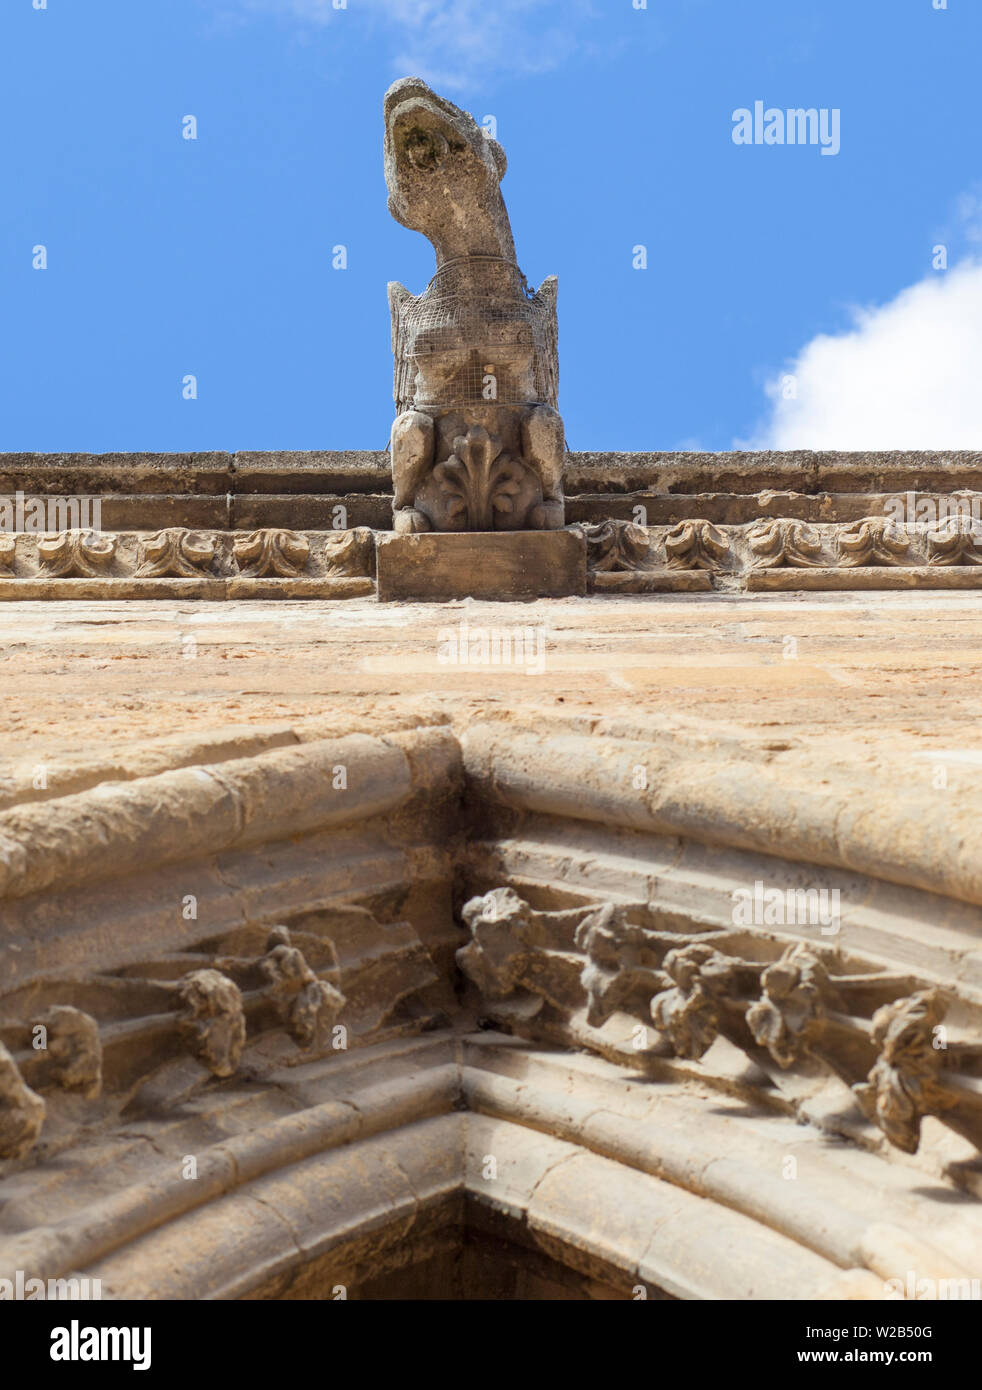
(617, 547)
(271, 551)
(176, 552)
(696, 545)
(76, 554)
(782, 542)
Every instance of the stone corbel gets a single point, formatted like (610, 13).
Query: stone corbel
(214, 1025)
(72, 1057)
(21, 1110)
(907, 1079)
(295, 998)
(511, 959)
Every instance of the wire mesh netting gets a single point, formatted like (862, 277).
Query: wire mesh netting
(476, 335)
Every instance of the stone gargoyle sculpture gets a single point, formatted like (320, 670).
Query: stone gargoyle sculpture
(477, 443)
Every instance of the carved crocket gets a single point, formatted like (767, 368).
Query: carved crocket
(477, 443)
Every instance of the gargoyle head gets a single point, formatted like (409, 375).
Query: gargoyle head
(443, 173)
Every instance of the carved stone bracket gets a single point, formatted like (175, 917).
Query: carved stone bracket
(21, 1110)
(617, 547)
(905, 1083)
(955, 543)
(214, 1025)
(510, 958)
(306, 1004)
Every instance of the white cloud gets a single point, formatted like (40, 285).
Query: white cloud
(453, 43)
(907, 375)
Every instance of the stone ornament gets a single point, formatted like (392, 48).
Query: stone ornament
(307, 1005)
(21, 1110)
(350, 553)
(954, 543)
(214, 1025)
(696, 545)
(176, 552)
(271, 552)
(874, 541)
(76, 554)
(511, 959)
(477, 443)
(790, 1015)
(617, 547)
(73, 1054)
(776, 543)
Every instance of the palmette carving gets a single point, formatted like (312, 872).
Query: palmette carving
(176, 552)
(617, 547)
(350, 553)
(955, 543)
(478, 480)
(76, 554)
(477, 443)
(875, 540)
(271, 552)
(781, 542)
(695, 545)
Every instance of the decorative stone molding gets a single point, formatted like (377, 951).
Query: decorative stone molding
(955, 543)
(271, 551)
(76, 553)
(874, 541)
(176, 552)
(776, 543)
(696, 545)
(177, 562)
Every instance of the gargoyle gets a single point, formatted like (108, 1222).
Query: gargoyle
(477, 443)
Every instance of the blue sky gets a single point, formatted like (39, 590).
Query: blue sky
(765, 264)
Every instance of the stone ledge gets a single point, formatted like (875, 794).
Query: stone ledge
(481, 564)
